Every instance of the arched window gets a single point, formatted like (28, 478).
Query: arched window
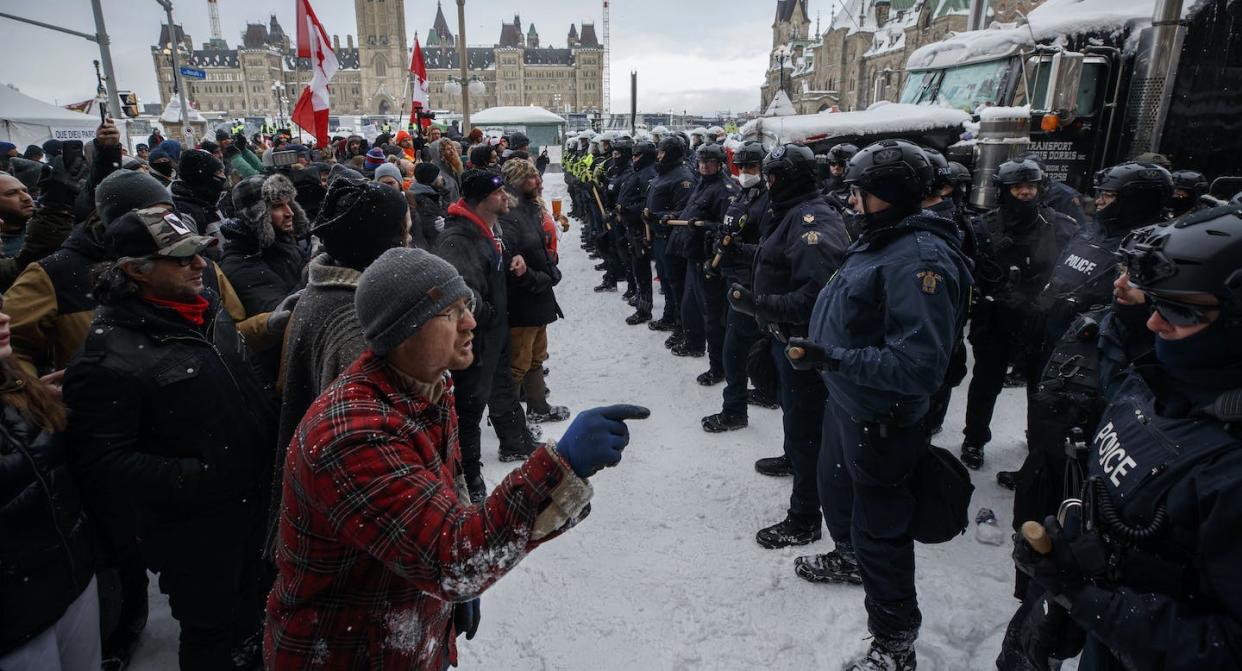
(381, 65)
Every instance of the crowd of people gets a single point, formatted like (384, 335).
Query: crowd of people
(260, 370)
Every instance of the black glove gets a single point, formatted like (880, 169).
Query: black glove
(279, 317)
(743, 300)
(724, 251)
(239, 141)
(806, 355)
(1069, 564)
(1048, 632)
(466, 618)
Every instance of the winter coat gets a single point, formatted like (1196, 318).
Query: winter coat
(323, 338)
(172, 417)
(378, 541)
(427, 206)
(45, 231)
(199, 204)
(463, 244)
(264, 265)
(708, 202)
(667, 195)
(45, 550)
(532, 301)
(246, 163)
(452, 180)
(800, 251)
(52, 307)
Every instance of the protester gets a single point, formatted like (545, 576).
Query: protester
(195, 194)
(389, 175)
(265, 248)
(447, 160)
(427, 204)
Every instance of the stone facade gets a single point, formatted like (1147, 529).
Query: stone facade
(516, 70)
(860, 58)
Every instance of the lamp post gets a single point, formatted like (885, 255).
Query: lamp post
(462, 54)
(278, 96)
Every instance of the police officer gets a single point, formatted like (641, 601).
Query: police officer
(668, 194)
(1188, 187)
(882, 332)
(1057, 194)
(619, 169)
(612, 265)
(960, 177)
(1019, 244)
(835, 189)
(792, 263)
(1141, 568)
(631, 199)
(695, 138)
(703, 300)
(745, 222)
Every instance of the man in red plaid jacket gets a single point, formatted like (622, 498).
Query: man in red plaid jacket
(381, 558)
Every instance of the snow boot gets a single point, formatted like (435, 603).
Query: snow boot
(248, 655)
(838, 567)
(477, 488)
(723, 421)
(552, 413)
(641, 314)
(711, 377)
(601, 266)
(675, 339)
(630, 293)
(1014, 379)
(516, 443)
(777, 467)
(1007, 479)
(631, 301)
(884, 658)
(537, 408)
(788, 532)
(607, 286)
(682, 350)
(662, 324)
(762, 399)
(972, 455)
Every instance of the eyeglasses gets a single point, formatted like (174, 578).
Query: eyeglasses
(1179, 313)
(456, 313)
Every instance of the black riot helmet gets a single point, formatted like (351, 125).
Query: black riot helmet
(842, 153)
(674, 150)
(710, 152)
(790, 169)
(940, 167)
(1010, 173)
(895, 171)
(1018, 172)
(644, 148)
(1141, 191)
(1193, 184)
(624, 147)
(750, 153)
(960, 178)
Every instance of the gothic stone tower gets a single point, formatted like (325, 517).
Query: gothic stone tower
(383, 54)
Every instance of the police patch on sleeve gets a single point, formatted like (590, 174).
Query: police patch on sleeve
(808, 219)
(685, 184)
(811, 237)
(929, 281)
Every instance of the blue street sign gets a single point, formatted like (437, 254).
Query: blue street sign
(193, 73)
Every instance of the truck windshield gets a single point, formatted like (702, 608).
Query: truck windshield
(964, 87)
(917, 86)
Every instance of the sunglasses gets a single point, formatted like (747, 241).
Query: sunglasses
(1178, 313)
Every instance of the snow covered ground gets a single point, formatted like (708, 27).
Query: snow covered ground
(665, 573)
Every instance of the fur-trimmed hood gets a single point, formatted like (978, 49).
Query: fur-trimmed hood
(252, 198)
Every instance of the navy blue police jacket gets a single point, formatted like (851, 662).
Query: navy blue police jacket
(708, 202)
(668, 194)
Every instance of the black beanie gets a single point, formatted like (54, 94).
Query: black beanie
(126, 190)
(479, 184)
(359, 220)
(198, 166)
(426, 173)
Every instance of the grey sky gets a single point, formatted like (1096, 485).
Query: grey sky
(694, 55)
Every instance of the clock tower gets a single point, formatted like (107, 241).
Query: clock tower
(383, 55)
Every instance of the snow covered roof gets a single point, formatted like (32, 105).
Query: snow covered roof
(878, 119)
(1050, 20)
(500, 116)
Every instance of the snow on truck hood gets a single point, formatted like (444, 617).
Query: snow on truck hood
(881, 117)
(1050, 20)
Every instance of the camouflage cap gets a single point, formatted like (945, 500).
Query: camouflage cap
(154, 231)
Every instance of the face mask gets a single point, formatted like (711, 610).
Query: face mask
(1208, 348)
(747, 180)
(1181, 204)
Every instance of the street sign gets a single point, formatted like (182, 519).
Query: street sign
(193, 73)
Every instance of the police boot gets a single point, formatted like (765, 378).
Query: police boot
(601, 266)
(682, 350)
(762, 399)
(777, 467)
(606, 286)
(972, 455)
(662, 324)
(631, 292)
(1007, 479)
(711, 377)
(477, 488)
(724, 421)
(641, 314)
(677, 338)
(839, 567)
(884, 658)
(788, 532)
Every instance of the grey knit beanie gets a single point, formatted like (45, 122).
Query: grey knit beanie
(402, 290)
(389, 169)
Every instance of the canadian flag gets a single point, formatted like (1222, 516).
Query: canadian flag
(311, 112)
(420, 94)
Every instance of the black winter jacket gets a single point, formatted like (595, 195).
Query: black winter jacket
(532, 301)
(172, 416)
(426, 205)
(199, 204)
(45, 550)
(262, 276)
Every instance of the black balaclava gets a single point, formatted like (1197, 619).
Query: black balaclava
(1130, 211)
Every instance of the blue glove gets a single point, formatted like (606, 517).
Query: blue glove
(596, 437)
(466, 618)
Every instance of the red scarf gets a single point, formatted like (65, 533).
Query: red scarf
(194, 312)
(461, 209)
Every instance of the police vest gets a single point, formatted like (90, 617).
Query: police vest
(1081, 280)
(1017, 264)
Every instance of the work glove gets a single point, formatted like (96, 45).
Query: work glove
(804, 354)
(724, 251)
(1048, 632)
(1070, 563)
(746, 302)
(278, 318)
(597, 436)
(466, 618)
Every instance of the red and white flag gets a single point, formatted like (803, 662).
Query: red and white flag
(420, 93)
(311, 112)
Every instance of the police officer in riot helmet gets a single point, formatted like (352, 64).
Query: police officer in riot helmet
(835, 189)
(1188, 187)
(960, 177)
(882, 334)
(733, 255)
(1019, 245)
(631, 200)
(1141, 568)
(939, 200)
(619, 169)
(668, 193)
(1057, 194)
(802, 250)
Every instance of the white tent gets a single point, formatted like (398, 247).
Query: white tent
(514, 116)
(25, 120)
(780, 105)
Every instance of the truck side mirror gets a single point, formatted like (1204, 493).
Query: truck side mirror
(1062, 75)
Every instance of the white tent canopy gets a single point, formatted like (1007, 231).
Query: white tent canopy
(780, 105)
(172, 113)
(25, 120)
(503, 116)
